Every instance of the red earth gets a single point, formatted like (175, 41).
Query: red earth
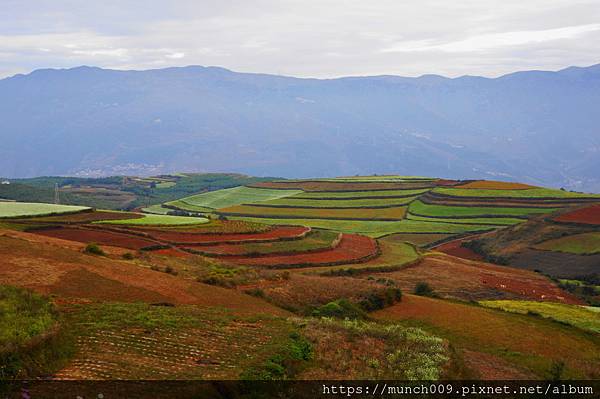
(351, 249)
(101, 237)
(454, 248)
(588, 215)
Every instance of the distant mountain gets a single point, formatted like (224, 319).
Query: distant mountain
(537, 127)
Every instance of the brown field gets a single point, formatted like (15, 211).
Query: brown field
(588, 215)
(455, 248)
(525, 340)
(495, 185)
(275, 234)
(67, 273)
(352, 248)
(98, 236)
(454, 277)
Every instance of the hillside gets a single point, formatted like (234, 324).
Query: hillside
(536, 127)
(373, 277)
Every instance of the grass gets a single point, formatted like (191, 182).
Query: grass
(575, 315)
(23, 315)
(26, 209)
(393, 213)
(357, 194)
(374, 228)
(235, 196)
(156, 209)
(579, 244)
(157, 220)
(527, 193)
(422, 209)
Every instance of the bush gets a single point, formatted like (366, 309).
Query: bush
(94, 249)
(424, 289)
(342, 309)
(170, 270)
(381, 299)
(128, 256)
(257, 292)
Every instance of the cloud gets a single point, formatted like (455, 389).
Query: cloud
(326, 39)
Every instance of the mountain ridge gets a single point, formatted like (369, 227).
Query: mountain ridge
(533, 126)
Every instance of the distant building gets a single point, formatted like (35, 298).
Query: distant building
(5, 182)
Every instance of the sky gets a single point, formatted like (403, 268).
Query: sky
(304, 38)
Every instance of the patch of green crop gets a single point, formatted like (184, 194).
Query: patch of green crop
(578, 316)
(478, 221)
(316, 195)
(579, 244)
(422, 209)
(157, 220)
(340, 203)
(27, 209)
(527, 193)
(236, 196)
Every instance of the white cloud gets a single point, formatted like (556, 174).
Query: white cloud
(294, 37)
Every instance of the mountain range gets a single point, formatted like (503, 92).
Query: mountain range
(537, 127)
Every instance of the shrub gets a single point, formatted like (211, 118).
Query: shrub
(342, 309)
(556, 370)
(381, 299)
(94, 249)
(170, 270)
(424, 289)
(128, 256)
(257, 292)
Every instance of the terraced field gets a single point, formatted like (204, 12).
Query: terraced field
(235, 196)
(578, 244)
(386, 214)
(589, 215)
(156, 220)
(24, 209)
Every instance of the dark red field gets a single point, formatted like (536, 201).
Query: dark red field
(455, 248)
(97, 236)
(352, 249)
(278, 233)
(588, 215)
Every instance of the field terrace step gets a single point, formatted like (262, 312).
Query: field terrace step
(352, 249)
(278, 233)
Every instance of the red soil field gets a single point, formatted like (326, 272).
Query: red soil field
(454, 248)
(278, 233)
(87, 217)
(471, 280)
(495, 185)
(177, 253)
(98, 236)
(48, 269)
(352, 249)
(588, 215)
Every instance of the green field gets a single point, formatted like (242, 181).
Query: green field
(579, 244)
(340, 203)
(25, 209)
(578, 316)
(358, 194)
(392, 213)
(374, 228)
(420, 208)
(527, 193)
(236, 196)
(157, 220)
(487, 221)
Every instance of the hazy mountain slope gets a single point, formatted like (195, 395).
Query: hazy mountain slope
(540, 127)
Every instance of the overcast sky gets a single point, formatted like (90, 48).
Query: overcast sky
(319, 38)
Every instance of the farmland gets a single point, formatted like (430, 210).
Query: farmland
(22, 209)
(202, 286)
